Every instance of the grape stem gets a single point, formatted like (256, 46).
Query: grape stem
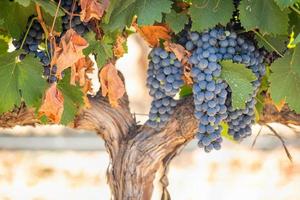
(27, 31)
(55, 16)
(268, 43)
(40, 19)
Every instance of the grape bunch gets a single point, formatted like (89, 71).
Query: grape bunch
(212, 95)
(33, 38)
(209, 90)
(80, 27)
(164, 81)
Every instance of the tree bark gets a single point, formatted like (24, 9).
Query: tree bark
(139, 154)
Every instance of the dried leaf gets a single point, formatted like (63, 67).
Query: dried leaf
(111, 84)
(53, 104)
(179, 51)
(92, 9)
(280, 105)
(87, 88)
(69, 51)
(119, 46)
(80, 69)
(183, 56)
(152, 34)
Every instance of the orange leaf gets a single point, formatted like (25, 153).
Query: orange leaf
(152, 34)
(280, 105)
(111, 84)
(118, 47)
(69, 51)
(79, 70)
(53, 104)
(92, 9)
(179, 51)
(183, 56)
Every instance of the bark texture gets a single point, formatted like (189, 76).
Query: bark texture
(139, 154)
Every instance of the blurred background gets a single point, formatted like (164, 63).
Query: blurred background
(58, 163)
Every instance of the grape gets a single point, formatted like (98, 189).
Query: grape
(164, 80)
(212, 96)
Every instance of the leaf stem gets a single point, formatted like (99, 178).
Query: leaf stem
(27, 31)
(266, 41)
(295, 9)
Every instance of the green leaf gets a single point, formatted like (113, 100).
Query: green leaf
(20, 78)
(207, 14)
(285, 79)
(294, 20)
(49, 20)
(3, 46)
(120, 15)
(224, 131)
(239, 79)
(73, 98)
(264, 15)
(24, 3)
(285, 3)
(102, 49)
(176, 21)
(270, 42)
(149, 11)
(50, 7)
(15, 17)
(297, 40)
(185, 90)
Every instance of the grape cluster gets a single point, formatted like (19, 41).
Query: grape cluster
(209, 90)
(80, 27)
(33, 38)
(212, 96)
(164, 81)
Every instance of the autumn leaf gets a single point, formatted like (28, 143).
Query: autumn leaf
(111, 84)
(92, 9)
(80, 69)
(69, 51)
(153, 34)
(53, 104)
(119, 46)
(183, 56)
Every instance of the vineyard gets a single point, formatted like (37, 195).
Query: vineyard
(216, 67)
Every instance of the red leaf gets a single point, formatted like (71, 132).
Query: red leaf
(111, 84)
(92, 9)
(53, 104)
(69, 51)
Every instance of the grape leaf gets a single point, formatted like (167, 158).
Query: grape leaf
(24, 3)
(102, 49)
(92, 9)
(297, 40)
(270, 42)
(206, 14)
(50, 7)
(294, 20)
(285, 3)
(176, 21)
(73, 98)
(239, 79)
(185, 90)
(264, 15)
(149, 11)
(20, 78)
(285, 79)
(120, 16)
(3, 46)
(49, 20)
(53, 104)
(153, 34)
(15, 23)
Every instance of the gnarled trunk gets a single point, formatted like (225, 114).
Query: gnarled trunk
(139, 154)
